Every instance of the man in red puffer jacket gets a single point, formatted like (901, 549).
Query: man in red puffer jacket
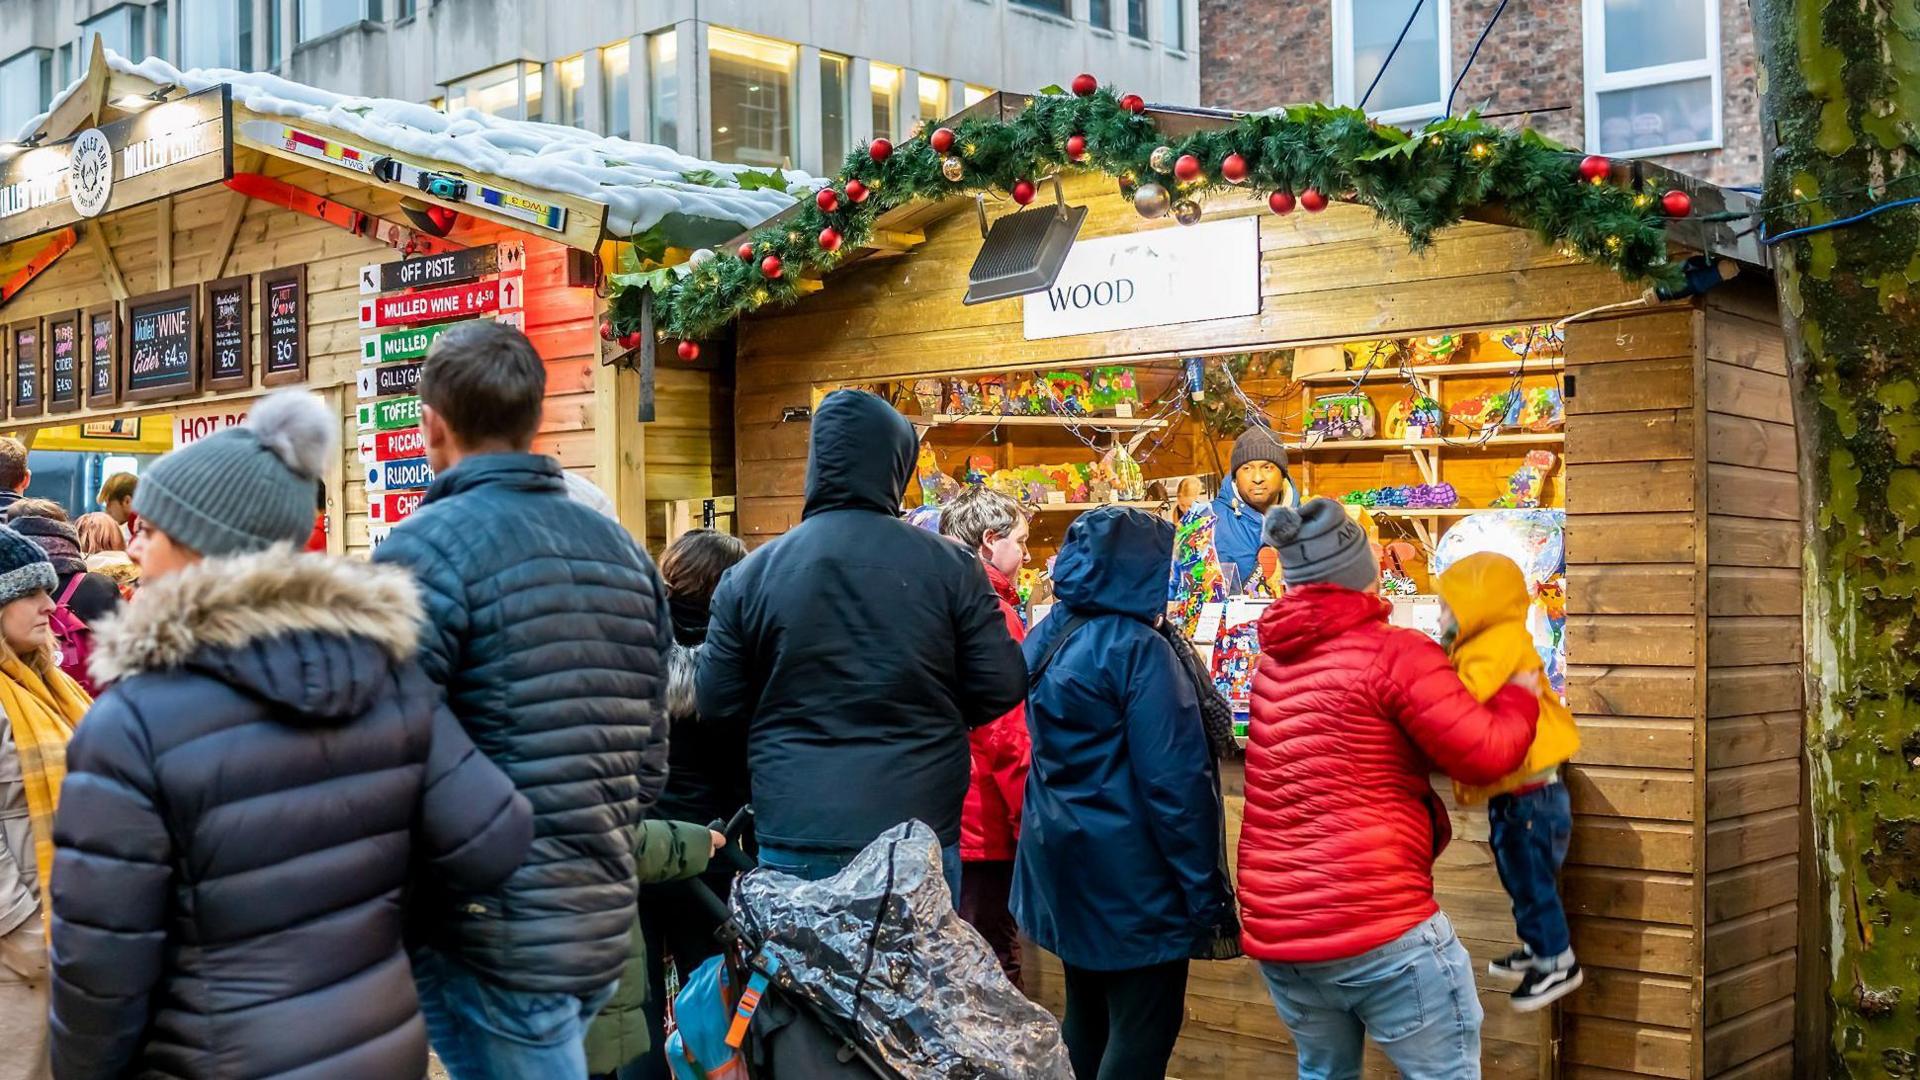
(1350, 716)
(994, 527)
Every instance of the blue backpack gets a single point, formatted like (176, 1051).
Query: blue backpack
(698, 1048)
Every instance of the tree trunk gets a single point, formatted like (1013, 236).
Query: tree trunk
(1841, 109)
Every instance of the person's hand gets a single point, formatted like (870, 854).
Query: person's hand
(719, 841)
(1527, 680)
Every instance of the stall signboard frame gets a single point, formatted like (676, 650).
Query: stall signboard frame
(161, 329)
(283, 326)
(227, 343)
(26, 385)
(64, 354)
(102, 323)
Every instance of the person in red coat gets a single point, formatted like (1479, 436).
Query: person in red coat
(1350, 715)
(995, 527)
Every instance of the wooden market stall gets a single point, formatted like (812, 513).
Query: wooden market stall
(1675, 469)
(253, 234)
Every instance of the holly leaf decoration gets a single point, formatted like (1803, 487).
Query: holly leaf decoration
(704, 178)
(657, 279)
(749, 180)
(1054, 89)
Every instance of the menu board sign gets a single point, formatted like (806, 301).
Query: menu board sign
(24, 382)
(63, 362)
(229, 334)
(283, 325)
(102, 340)
(163, 340)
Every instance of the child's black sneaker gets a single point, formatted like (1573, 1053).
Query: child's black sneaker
(1514, 965)
(1539, 989)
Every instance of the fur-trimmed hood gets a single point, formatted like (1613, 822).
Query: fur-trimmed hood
(317, 633)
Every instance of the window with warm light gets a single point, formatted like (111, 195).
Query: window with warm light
(750, 83)
(1413, 86)
(663, 89)
(318, 18)
(836, 109)
(510, 91)
(974, 95)
(885, 80)
(570, 78)
(122, 29)
(1653, 76)
(210, 32)
(26, 84)
(933, 99)
(615, 107)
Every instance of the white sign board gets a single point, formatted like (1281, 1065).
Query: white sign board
(192, 425)
(1155, 278)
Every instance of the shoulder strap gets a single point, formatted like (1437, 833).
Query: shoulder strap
(73, 585)
(1074, 622)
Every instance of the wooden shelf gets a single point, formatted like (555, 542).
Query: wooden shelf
(1394, 373)
(1528, 439)
(996, 420)
(1407, 512)
(1047, 507)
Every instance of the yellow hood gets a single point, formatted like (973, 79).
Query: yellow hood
(1482, 590)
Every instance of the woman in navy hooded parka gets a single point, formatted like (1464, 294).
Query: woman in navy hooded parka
(1118, 871)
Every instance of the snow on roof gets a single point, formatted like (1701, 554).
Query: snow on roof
(644, 187)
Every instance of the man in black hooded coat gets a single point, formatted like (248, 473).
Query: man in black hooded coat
(856, 651)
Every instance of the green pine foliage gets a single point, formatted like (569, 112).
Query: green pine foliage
(1418, 183)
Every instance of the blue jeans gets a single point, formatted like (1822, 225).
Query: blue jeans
(1414, 995)
(814, 865)
(487, 1032)
(1530, 837)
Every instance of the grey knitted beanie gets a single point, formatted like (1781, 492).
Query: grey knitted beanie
(24, 568)
(1257, 444)
(1320, 544)
(245, 488)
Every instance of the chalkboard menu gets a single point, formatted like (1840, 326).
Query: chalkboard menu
(163, 340)
(283, 326)
(228, 304)
(63, 362)
(102, 339)
(24, 380)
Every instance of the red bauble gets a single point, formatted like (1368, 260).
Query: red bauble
(1077, 147)
(1084, 84)
(1234, 168)
(879, 149)
(1187, 168)
(1313, 201)
(830, 238)
(443, 219)
(1134, 103)
(827, 200)
(606, 330)
(770, 266)
(1594, 168)
(1022, 191)
(856, 191)
(688, 351)
(632, 341)
(745, 253)
(941, 140)
(1677, 203)
(1280, 202)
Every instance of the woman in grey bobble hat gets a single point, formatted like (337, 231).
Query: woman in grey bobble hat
(309, 766)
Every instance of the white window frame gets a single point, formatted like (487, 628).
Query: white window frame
(1599, 80)
(1349, 84)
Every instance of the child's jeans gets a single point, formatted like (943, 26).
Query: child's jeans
(1530, 835)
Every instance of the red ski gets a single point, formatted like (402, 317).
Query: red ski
(61, 243)
(358, 222)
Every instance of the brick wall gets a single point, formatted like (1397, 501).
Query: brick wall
(1256, 54)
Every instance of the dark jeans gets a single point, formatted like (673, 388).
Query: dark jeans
(1530, 836)
(1121, 1025)
(986, 888)
(815, 865)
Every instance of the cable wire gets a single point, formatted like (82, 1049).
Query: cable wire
(1837, 224)
(1468, 66)
(1411, 15)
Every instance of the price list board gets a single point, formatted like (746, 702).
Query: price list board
(162, 346)
(283, 326)
(63, 361)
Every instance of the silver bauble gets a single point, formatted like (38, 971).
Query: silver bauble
(1161, 159)
(1186, 212)
(1151, 200)
(952, 169)
(701, 257)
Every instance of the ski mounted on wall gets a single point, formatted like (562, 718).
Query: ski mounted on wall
(359, 222)
(61, 243)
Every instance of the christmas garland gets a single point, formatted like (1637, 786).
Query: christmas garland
(1418, 183)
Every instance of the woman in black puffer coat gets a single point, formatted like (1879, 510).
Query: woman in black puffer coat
(243, 807)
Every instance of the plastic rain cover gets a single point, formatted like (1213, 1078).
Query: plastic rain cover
(880, 942)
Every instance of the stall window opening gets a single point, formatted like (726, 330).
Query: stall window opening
(751, 86)
(26, 84)
(1653, 76)
(1413, 88)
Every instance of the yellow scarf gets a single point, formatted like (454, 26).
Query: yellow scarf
(43, 712)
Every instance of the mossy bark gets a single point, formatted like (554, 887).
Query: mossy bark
(1840, 82)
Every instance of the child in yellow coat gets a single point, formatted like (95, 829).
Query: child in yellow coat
(1485, 597)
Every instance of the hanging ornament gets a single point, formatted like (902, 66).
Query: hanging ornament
(1676, 203)
(770, 266)
(1161, 160)
(830, 238)
(1077, 147)
(1234, 168)
(689, 351)
(701, 257)
(1151, 200)
(1187, 169)
(606, 330)
(632, 341)
(952, 169)
(827, 200)
(1022, 191)
(1186, 212)
(941, 140)
(745, 253)
(856, 192)
(1313, 201)
(1594, 168)
(1084, 85)
(1134, 103)
(879, 150)
(1280, 202)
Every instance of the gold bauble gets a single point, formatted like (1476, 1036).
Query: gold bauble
(1151, 200)
(1186, 212)
(952, 169)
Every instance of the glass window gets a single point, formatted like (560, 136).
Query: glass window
(616, 108)
(122, 29)
(835, 112)
(1100, 14)
(1174, 14)
(933, 99)
(751, 85)
(63, 72)
(245, 43)
(209, 30)
(321, 17)
(25, 88)
(497, 92)
(974, 95)
(1056, 7)
(663, 88)
(885, 79)
(162, 39)
(531, 80)
(1137, 18)
(403, 9)
(571, 76)
(1653, 83)
(273, 34)
(1414, 84)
